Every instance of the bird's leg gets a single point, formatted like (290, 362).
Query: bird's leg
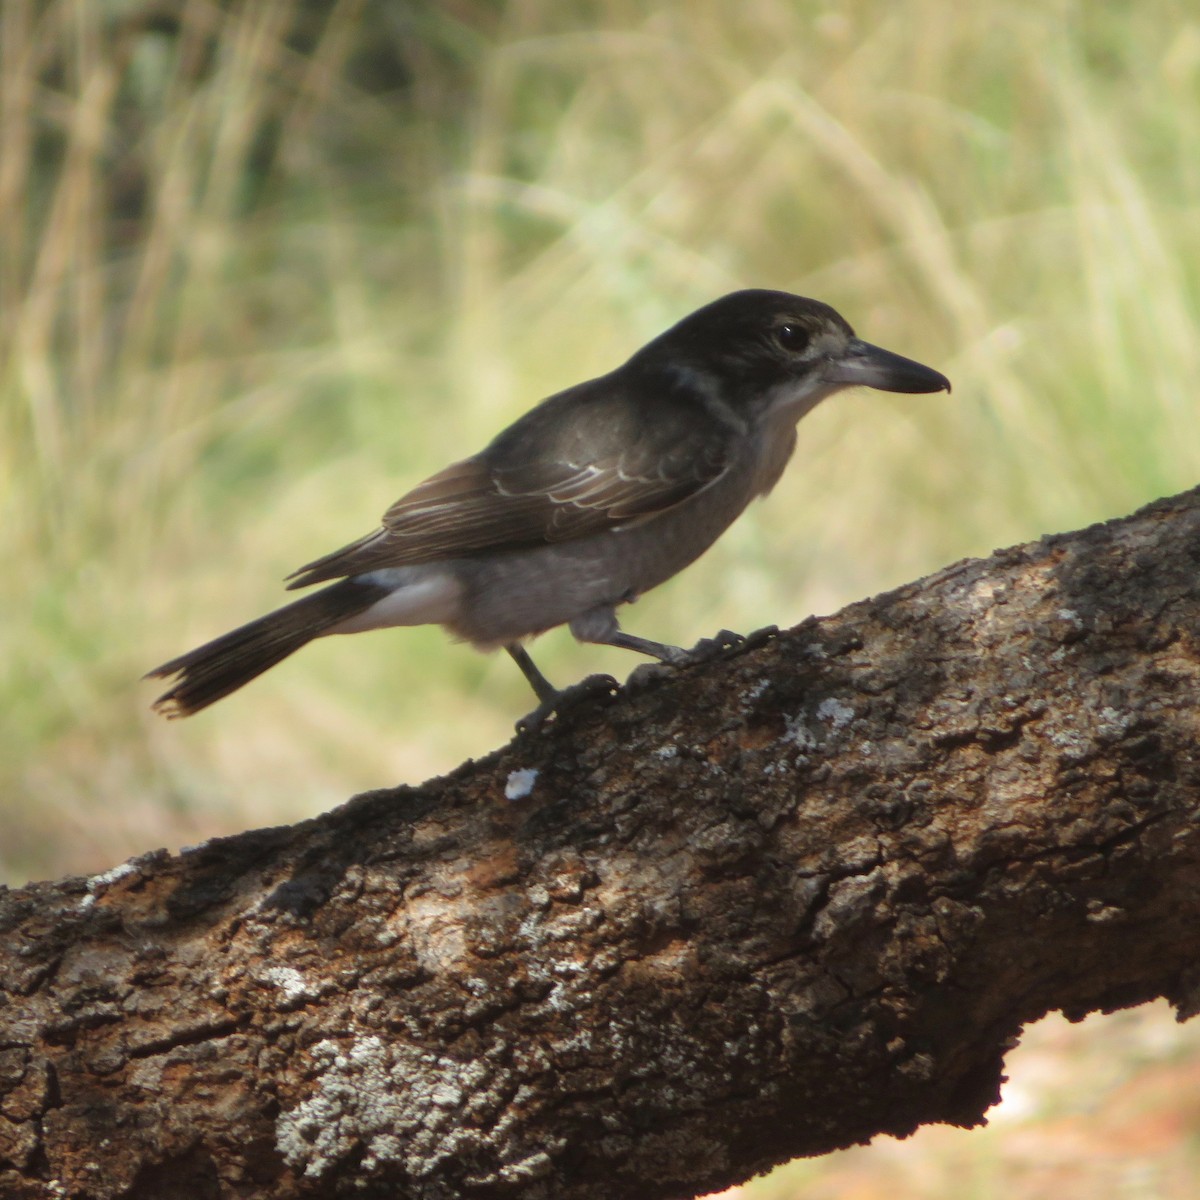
(600, 626)
(542, 687)
(552, 699)
(674, 656)
(671, 656)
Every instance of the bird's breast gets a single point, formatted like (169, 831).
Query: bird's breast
(514, 595)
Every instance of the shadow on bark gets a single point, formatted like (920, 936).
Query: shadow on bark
(761, 908)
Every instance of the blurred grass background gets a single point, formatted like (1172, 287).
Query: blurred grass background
(264, 265)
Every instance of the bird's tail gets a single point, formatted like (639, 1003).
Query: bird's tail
(226, 663)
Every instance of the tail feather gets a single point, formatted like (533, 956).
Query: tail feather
(223, 665)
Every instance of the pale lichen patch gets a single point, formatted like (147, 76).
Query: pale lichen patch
(835, 712)
(98, 883)
(797, 731)
(108, 878)
(295, 988)
(390, 1103)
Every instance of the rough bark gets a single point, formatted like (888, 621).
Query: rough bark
(759, 908)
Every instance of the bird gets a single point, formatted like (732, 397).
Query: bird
(586, 502)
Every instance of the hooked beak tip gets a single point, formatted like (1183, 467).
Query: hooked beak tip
(872, 366)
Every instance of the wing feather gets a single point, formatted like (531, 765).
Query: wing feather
(583, 462)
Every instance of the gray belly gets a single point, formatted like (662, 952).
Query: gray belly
(516, 595)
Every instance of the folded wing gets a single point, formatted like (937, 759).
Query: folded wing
(585, 461)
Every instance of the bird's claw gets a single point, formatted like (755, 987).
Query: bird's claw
(703, 651)
(592, 686)
(707, 648)
(760, 637)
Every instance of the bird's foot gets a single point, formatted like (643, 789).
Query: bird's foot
(713, 647)
(760, 637)
(725, 639)
(589, 688)
(704, 650)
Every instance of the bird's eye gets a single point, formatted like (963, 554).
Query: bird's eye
(793, 338)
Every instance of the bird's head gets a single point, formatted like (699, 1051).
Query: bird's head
(768, 351)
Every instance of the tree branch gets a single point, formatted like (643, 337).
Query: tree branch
(766, 907)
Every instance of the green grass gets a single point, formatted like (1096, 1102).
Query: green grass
(263, 268)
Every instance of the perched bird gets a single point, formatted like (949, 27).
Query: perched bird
(592, 498)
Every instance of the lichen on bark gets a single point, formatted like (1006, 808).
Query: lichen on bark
(763, 907)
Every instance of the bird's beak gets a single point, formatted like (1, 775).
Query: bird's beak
(872, 366)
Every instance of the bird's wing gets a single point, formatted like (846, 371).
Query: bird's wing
(583, 462)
